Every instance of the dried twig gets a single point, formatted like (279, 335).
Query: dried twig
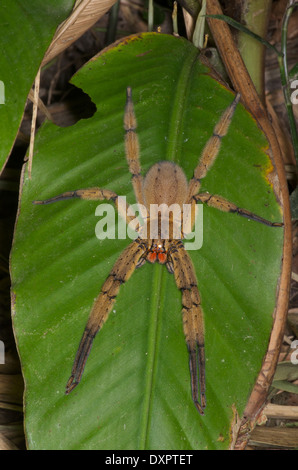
(33, 122)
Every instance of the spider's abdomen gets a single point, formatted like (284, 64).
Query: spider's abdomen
(165, 183)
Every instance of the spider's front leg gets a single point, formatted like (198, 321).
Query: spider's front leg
(211, 149)
(121, 272)
(193, 322)
(208, 157)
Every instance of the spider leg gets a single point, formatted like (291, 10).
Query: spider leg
(94, 194)
(193, 322)
(121, 272)
(226, 206)
(132, 147)
(211, 148)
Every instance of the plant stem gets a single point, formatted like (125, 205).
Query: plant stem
(254, 16)
(175, 19)
(112, 24)
(150, 15)
(199, 31)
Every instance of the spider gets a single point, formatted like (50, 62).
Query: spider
(164, 183)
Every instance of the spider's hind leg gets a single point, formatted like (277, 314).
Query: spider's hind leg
(193, 322)
(121, 272)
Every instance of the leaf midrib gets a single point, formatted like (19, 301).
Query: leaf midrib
(176, 117)
(156, 307)
(159, 282)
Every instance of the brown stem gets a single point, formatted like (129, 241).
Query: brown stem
(242, 83)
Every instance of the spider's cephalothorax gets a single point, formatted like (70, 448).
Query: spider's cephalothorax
(164, 185)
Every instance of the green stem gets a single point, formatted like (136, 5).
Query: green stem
(199, 31)
(112, 24)
(254, 15)
(175, 19)
(150, 15)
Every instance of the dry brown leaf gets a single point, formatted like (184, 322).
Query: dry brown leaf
(276, 411)
(33, 122)
(189, 23)
(84, 15)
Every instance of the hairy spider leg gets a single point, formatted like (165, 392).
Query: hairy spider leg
(209, 155)
(132, 149)
(121, 272)
(95, 194)
(211, 149)
(226, 206)
(193, 322)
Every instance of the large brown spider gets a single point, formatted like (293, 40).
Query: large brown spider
(165, 183)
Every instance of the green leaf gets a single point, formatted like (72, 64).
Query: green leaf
(25, 34)
(135, 391)
(286, 371)
(198, 36)
(285, 386)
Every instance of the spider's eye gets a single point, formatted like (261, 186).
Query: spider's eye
(162, 258)
(151, 257)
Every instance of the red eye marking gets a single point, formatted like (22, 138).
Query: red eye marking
(151, 257)
(162, 258)
(156, 254)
